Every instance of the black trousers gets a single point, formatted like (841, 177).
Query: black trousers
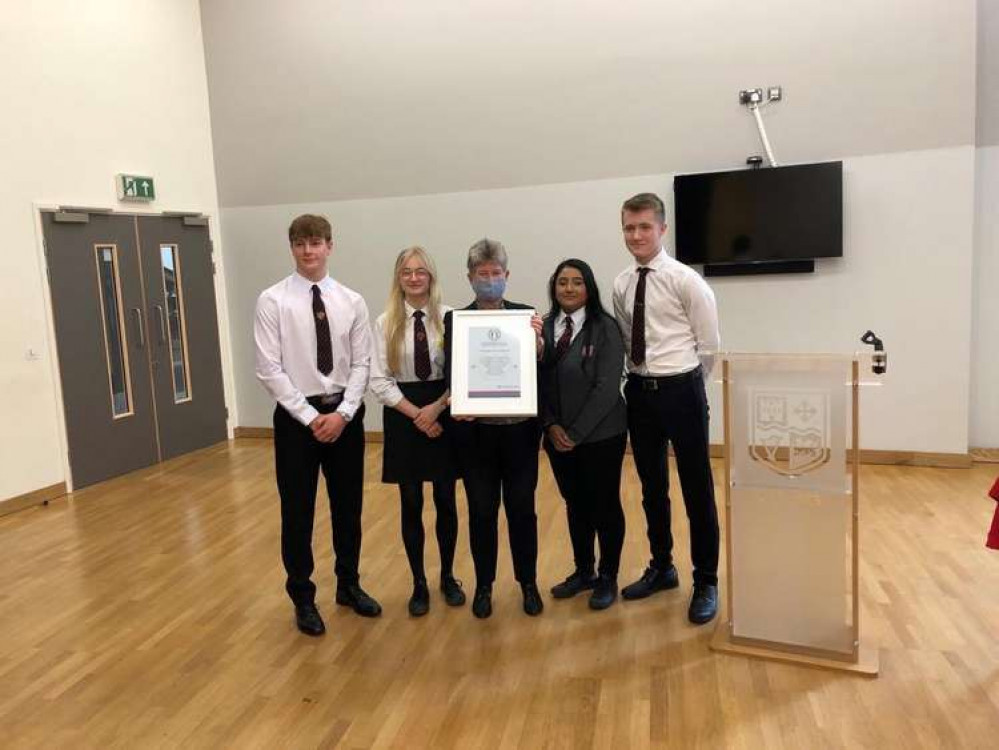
(500, 464)
(411, 496)
(298, 458)
(589, 478)
(674, 411)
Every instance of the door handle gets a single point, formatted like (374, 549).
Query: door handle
(137, 313)
(162, 319)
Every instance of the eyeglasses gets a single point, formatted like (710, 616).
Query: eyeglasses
(418, 273)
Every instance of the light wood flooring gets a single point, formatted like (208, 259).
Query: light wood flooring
(149, 612)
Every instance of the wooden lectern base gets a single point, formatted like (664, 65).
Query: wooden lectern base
(868, 663)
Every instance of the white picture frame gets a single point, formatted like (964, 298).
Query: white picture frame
(494, 364)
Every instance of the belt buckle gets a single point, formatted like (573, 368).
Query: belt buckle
(328, 399)
(650, 384)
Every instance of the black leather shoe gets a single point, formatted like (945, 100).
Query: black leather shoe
(652, 580)
(308, 620)
(574, 584)
(482, 602)
(604, 593)
(353, 596)
(532, 599)
(419, 602)
(703, 603)
(453, 595)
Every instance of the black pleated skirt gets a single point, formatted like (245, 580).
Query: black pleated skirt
(408, 455)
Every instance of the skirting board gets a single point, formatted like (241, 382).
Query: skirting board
(896, 458)
(38, 497)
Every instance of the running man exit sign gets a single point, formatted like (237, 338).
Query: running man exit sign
(135, 188)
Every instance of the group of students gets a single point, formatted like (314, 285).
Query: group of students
(317, 351)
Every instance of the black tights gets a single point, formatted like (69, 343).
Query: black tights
(411, 495)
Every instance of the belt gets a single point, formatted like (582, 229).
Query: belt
(326, 401)
(655, 382)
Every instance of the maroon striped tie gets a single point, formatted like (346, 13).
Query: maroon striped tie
(638, 320)
(421, 350)
(562, 345)
(324, 344)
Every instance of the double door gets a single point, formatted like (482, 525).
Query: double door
(133, 301)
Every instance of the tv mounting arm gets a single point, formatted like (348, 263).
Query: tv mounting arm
(754, 99)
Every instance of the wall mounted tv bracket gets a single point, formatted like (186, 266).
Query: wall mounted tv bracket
(756, 99)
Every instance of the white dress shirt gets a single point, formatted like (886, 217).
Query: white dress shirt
(383, 382)
(285, 333)
(578, 318)
(681, 317)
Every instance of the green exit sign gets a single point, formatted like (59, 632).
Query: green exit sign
(133, 187)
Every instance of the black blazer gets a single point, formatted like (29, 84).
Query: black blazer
(582, 390)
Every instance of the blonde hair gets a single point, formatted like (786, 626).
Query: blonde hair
(395, 309)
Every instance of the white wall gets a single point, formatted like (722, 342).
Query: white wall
(984, 424)
(906, 273)
(316, 100)
(89, 90)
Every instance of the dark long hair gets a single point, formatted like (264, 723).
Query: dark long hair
(595, 312)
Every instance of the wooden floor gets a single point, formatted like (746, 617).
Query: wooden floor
(149, 612)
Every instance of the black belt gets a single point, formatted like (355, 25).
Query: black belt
(325, 403)
(655, 382)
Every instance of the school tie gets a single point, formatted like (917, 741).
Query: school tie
(324, 344)
(562, 345)
(421, 350)
(638, 320)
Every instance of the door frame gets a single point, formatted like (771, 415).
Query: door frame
(52, 349)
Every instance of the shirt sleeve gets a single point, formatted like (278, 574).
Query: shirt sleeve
(383, 384)
(269, 367)
(702, 312)
(360, 361)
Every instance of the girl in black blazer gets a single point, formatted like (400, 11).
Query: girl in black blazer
(585, 426)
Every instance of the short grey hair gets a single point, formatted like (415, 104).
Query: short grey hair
(486, 251)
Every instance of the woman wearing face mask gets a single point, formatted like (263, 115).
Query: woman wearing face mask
(407, 376)
(585, 426)
(498, 457)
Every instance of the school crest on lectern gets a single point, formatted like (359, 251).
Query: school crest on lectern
(790, 430)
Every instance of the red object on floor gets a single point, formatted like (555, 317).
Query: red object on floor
(993, 541)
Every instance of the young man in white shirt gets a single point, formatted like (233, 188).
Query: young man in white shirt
(313, 354)
(669, 321)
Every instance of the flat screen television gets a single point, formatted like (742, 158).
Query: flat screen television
(760, 217)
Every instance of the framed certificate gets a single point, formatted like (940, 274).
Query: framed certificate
(494, 364)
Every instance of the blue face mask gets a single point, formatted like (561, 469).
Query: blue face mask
(489, 290)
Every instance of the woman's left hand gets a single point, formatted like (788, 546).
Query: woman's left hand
(536, 324)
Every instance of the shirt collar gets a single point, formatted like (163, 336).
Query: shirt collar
(658, 260)
(324, 283)
(410, 310)
(578, 318)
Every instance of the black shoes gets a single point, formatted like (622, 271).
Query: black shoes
(419, 602)
(308, 620)
(532, 599)
(482, 602)
(652, 580)
(451, 589)
(604, 593)
(703, 603)
(574, 584)
(353, 596)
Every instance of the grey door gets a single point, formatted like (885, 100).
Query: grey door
(184, 343)
(136, 329)
(102, 342)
